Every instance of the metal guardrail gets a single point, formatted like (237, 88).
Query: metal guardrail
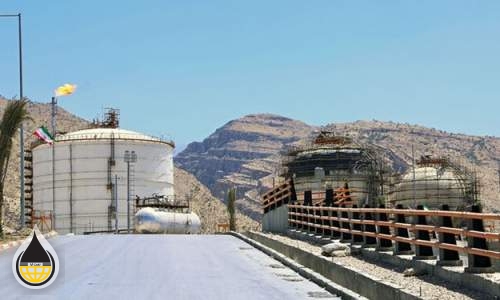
(277, 196)
(118, 135)
(376, 224)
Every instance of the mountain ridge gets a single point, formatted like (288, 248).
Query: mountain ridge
(229, 154)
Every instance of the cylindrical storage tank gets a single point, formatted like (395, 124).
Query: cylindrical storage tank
(331, 167)
(432, 187)
(85, 166)
(153, 220)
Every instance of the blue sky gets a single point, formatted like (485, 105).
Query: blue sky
(184, 68)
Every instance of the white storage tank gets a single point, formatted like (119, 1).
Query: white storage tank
(434, 182)
(86, 163)
(154, 220)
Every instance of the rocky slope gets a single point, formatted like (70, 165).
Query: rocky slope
(209, 208)
(246, 153)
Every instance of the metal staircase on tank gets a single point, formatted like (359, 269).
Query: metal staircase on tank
(132, 196)
(28, 188)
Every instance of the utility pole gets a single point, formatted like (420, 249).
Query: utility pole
(499, 176)
(21, 129)
(414, 177)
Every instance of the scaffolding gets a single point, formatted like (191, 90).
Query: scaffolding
(169, 203)
(111, 119)
(332, 161)
(436, 181)
(43, 220)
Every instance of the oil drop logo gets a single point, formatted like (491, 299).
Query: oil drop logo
(35, 264)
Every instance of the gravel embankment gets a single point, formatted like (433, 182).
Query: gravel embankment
(425, 285)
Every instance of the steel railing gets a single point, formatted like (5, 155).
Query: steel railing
(328, 221)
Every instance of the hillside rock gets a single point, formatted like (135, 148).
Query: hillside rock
(246, 153)
(209, 208)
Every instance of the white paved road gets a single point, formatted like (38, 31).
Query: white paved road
(162, 267)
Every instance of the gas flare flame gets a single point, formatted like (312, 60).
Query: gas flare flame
(65, 89)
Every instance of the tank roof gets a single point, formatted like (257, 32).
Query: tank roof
(432, 173)
(109, 133)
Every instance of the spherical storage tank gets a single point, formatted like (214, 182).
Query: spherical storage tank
(87, 163)
(434, 183)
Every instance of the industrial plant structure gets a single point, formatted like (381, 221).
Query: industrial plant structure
(336, 170)
(434, 182)
(84, 178)
(160, 214)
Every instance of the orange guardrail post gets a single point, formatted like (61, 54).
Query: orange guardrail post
(357, 238)
(402, 248)
(478, 263)
(447, 257)
(327, 232)
(335, 223)
(327, 213)
(292, 210)
(345, 236)
(369, 241)
(423, 252)
(382, 243)
(308, 202)
(317, 221)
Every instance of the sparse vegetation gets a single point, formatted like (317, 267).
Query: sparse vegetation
(231, 199)
(210, 209)
(14, 115)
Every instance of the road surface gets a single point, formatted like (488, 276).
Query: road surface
(162, 267)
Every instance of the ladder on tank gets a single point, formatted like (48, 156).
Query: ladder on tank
(132, 197)
(28, 188)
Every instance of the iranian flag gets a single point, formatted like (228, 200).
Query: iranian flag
(43, 134)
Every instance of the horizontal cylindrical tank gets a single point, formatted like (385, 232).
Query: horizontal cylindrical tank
(85, 165)
(153, 220)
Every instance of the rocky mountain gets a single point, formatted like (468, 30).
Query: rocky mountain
(205, 205)
(209, 208)
(246, 153)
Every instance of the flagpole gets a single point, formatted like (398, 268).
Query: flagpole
(53, 116)
(64, 90)
(53, 124)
